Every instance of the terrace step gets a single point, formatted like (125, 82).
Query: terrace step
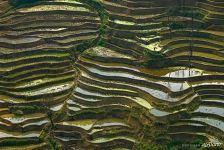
(27, 147)
(105, 96)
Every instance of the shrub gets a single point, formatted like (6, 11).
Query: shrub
(156, 60)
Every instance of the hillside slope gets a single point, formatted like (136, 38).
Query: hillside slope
(111, 74)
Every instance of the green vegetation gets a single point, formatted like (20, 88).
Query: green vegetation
(182, 145)
(21, 2)
(176, 25)
(47, 135)
(186, 12)
(20, 110)
(18, 142)
(97, 6)
(147, 146)
(61, 114)
(80, 48)
(109, 96)
(154, 59)
(189, 12)
(173, 145)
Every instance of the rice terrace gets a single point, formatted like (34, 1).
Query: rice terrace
(111, 74)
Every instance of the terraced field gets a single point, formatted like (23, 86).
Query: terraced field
(112, 74)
